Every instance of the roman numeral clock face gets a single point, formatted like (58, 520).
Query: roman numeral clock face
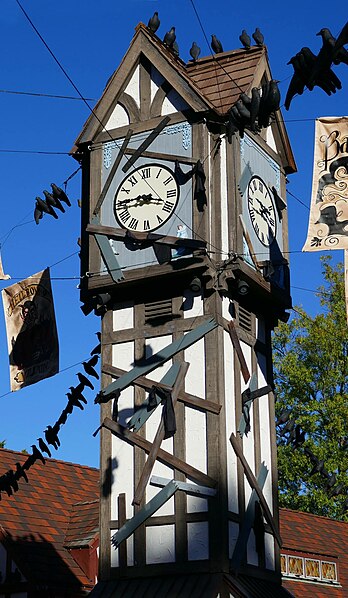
(146, 198)
(261, 211)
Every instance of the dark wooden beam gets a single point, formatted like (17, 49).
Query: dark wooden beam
(121, 501)
(254, 484)
(147, 384)
(238, 349)
(145, 144)
(170, 460)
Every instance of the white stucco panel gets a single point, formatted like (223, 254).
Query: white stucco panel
(195, 380)
(123, 318)
(230, 407)
(265, 432)
(173, 102)
(133, 88)
(233, 532)
(160, 544)
(118, 118)
(198, 541)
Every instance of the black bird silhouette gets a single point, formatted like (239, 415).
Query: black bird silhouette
(337, 55)
(51, 435)
(89, 366)
(60, 194)
(36, 454)
(258, 37)
(5, 485)
(62, 418)
(84, 381)
(38, 213)
(154, 22)
(43, 447)
(11, 478)
(238, 121)
(96, 350)
(298, 437)
(73, 401)
(20, 473)
(216, 45)
(169, 37)
(175, 48)
(77, 392)
(195, 51)
(243, 111)
(53, 201)
(317, 467)
(269, 102)
(245, 40)
(44, 207)
(342, 38)
(289, 427)
(231, 127)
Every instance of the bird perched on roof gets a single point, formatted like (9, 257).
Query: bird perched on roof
(175, 48)
(154, 22)
(60, 194)
(254, 108)
(20, 473)
(36, 454)
(245, 40)
(195, 51)
(89, 366)
(258, 37)
(169, 37)
(269, 102)
(216, 45)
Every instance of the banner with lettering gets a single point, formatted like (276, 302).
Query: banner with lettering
(328, 219)
(31, 330)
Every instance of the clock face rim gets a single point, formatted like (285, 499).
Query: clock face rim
(172, 211)
(259, 218)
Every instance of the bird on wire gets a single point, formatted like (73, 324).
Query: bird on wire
(53, 201)
(20, 473)
(77, 392)
(195, 51)
(258, 37)
(169, 38)
(154, 22)
(43, 447)
(216, 45)
(85, 381)
(89, 366)
(74, 401)
(342, 38)
(51, 435)
(57, 192)
(62, 418)
(245, 40)
(41, 207)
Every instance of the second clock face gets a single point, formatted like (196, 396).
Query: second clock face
(261, 210)
(146, 198)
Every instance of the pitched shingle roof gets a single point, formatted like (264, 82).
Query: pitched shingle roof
(35, 520)
(308, 534)
(222, 78)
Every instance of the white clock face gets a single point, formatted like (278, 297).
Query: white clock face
(146, 198)
(261, 210)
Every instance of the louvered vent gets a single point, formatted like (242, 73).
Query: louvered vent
(244, 319)
(158, 310)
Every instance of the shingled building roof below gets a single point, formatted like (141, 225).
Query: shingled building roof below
(39, 524)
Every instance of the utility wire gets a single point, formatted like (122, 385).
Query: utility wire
(44, 95)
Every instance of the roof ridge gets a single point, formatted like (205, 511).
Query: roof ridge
(50, 459)
(313, 515)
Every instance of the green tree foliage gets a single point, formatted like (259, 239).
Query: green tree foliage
(311, 383)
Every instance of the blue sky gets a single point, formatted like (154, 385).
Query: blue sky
(90, 38)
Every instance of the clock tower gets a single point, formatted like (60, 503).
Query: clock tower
(184, 255)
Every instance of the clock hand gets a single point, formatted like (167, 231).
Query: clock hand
(140, 199)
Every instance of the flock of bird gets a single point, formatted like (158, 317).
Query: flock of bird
(296, 437)
(169, 39)
(311, 70)
(52, 200)
(9, 480)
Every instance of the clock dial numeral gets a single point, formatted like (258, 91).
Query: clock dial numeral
(171, 193)
(124, 216)
(124, 190)
(168, 206)
(145, 173)
(133, 224)
(146, 225)
(133, 180)
(159, 172)
(261, 186)
(168, 180)
(159, 219)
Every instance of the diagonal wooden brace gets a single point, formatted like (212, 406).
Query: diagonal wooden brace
(156, 445)
(238, 349)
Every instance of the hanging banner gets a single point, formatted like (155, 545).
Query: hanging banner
(328, 219)
(31, 330)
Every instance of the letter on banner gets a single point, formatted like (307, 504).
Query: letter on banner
(328, 219)
(31, 330)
